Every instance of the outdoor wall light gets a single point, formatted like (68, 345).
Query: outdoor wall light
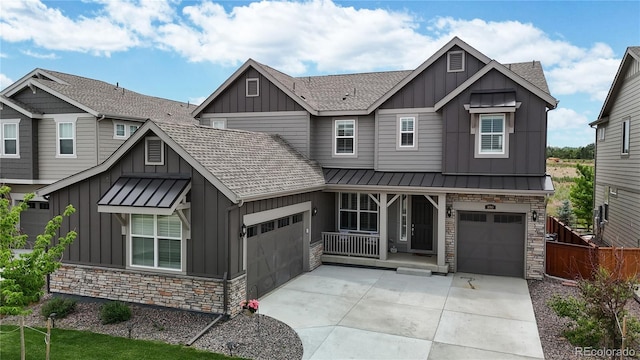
(449, 211)
(534, 216)
(314, 212)
(243, 230)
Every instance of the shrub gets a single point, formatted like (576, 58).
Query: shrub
(60, 306)
(115, 312)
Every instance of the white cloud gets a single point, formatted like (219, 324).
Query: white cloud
(3, 56)
(50, 56)
(197, 100)
(563, 119)
(4, 81)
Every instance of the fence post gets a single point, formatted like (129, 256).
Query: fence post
(48, 339)
(23, 354)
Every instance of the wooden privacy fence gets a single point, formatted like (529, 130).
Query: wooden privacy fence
(567, 259)
(563, 233)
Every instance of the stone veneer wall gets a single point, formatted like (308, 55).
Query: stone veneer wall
(315, 254)
(535, 243)
(170, 290)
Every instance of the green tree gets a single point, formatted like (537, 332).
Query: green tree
(581, 195)
(22, 277)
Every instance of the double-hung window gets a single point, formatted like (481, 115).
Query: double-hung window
(156, 241)
(492, 134)
(345, 137)
(9, 135)
(625, 136)
(358, 212)
(66, 139)
(406, 132)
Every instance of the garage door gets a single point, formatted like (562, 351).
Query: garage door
(274, 254)
(491, 243)
(34, 219)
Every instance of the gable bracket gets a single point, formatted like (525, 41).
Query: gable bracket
(32, 88)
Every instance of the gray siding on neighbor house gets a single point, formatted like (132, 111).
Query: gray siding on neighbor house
(55, 168)
(45, 102)
(427, 157)
(527, 144)
(292, 128)
(25, 167)
(233, 99)
(322, 142)
(621, 171)
(106, 144)
(100, 241)
(433, 84)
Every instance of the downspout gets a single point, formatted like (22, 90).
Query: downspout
(98, 139)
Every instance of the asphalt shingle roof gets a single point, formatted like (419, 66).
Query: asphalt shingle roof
(635, 50)
(250, 164)
(359, 91)
(112, 100)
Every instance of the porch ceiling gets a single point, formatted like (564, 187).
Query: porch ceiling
(436, 181)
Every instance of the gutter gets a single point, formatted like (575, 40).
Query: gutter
(264, 196)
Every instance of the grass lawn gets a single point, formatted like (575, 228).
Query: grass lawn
(72, 344)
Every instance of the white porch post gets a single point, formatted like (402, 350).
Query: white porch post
(383, 226)
(442, 213)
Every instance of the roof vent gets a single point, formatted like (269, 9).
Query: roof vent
(455, 61)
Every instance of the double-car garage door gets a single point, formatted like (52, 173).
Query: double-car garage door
(491, 243)
(274, 253)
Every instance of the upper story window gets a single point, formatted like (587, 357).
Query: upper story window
(9, 130)
(253, 88)
(344, 141)
(358, 212)
(492, 134)
(218, 123)
(65, 138)
(153, 151)
(123, 131)
(156, 241)
(407, 132)
(626, 136)
(455, 61)
(601, 132)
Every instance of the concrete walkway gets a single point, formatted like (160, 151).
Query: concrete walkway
(354, 313)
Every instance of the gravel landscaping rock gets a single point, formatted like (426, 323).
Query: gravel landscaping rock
(551, 326)
(251, 337)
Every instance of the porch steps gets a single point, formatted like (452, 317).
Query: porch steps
(416, 272)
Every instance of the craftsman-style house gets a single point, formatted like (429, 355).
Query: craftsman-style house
(440, 168)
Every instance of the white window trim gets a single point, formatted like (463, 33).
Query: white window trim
(449, 60)
(601, 133)
(15, 122)
(220, 120)
(66, 120)
(183, 248)
(399, 145)
(404, 203)
(358, 211)
(146, 151)
(354, 153)
(508, 128)
(626, 136)
(127, 130)
(257, 80)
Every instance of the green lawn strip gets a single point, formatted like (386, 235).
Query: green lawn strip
(80, 345)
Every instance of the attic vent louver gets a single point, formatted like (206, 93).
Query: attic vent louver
(154, 151)
(252, 87)
(455, 61)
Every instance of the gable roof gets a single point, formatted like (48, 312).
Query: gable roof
(362, 93)
(20, 107)
(494, 65)
(631, 54)
(99, 98)
(243, 165)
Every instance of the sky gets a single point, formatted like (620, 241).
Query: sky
(184, 50)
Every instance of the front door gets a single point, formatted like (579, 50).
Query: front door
(421, 224)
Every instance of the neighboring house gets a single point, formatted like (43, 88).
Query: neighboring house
(446, 161)
(617, 164)
(56, 124)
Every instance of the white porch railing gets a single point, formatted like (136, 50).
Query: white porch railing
(363, 245)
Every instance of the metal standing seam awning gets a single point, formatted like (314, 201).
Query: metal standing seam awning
(503, 100)
(144, 195)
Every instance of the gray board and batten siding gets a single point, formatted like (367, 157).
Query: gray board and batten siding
(621, 172)
(428, 154)
(45, 102)
(322, 142)
(433, 84)
(293, 127)
(526, 143)
(26, 166)
(234, 98)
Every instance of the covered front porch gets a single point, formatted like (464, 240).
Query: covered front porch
(388, 230)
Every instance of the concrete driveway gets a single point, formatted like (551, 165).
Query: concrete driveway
(354, 313)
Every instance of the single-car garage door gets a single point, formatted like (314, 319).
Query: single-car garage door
(34, 219)
(491, 243)
(274, 254)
